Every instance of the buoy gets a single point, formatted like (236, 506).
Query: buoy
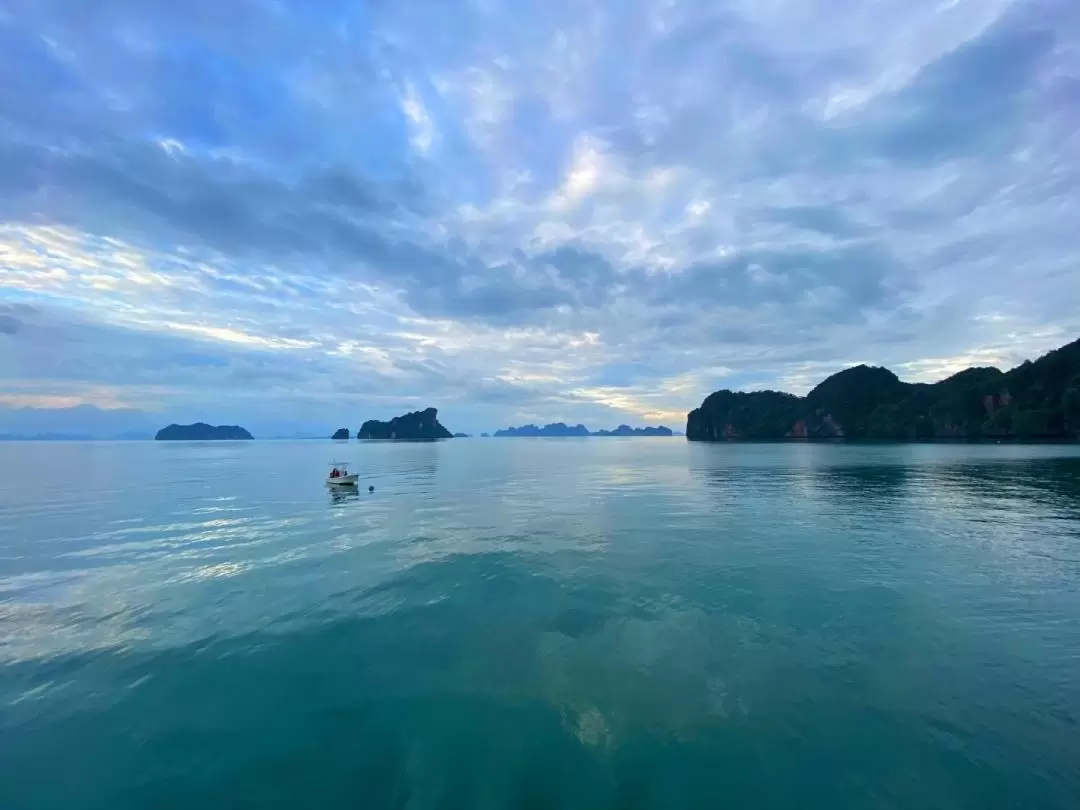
(371, 489)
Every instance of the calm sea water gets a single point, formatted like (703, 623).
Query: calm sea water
(622, 623)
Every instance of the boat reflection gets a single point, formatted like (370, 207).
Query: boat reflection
(340, 495)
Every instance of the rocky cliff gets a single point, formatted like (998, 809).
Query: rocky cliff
(1038, 399)
(417, 425)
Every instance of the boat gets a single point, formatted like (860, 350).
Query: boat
(343, 477)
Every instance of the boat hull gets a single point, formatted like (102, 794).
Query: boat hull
(343, 481)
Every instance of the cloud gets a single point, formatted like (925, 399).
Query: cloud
(595, 212)
(8, 325)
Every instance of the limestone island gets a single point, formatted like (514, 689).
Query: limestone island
(341, 433)
(532, 431)
(412, 426)
(1035, 400)
(626, 430)
(200, 431)
(559, 429)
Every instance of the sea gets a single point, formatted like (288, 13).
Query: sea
(539, 623)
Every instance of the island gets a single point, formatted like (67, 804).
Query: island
(485, 435)
(200, 431)
(626, 430)
(341, 433)
(1036, 400)
(416, 425)
(462, 436)
(562, 429)
(554, 429)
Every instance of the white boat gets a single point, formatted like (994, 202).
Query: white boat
(340, 476)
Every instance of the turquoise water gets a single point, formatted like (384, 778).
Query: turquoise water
(620, 623)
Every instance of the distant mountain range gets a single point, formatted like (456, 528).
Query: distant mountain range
(88, 422)
(78, 423)
(560, 429)
(72, 437)
(1037, 400)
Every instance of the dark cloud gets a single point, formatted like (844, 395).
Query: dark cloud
(13, 317)
(331, 218)
(975, 99)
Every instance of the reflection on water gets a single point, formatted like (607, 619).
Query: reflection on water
(626, 623)
(340, 495)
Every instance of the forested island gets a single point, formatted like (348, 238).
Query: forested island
(1036, 400)
(200, 431)
(560, 429)
(416, 425)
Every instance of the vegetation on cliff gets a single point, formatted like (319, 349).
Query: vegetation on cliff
(200, 431)
(1038, 400)
(416, 425)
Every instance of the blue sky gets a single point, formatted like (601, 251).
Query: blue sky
(297, 214)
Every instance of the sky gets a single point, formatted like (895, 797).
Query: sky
(300, 214)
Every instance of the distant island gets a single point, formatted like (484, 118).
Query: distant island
(417, 425)
(561, 429)
(200, 431)
(46, 437)
(531, 431)
(462, 436)
(74, 437)
(341, 433)
(626, 430)
(1036, 400)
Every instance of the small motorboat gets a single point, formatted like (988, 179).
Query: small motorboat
(340, 476)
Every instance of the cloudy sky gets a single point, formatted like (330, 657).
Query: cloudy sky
(306, 213)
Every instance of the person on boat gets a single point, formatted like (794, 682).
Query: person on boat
(334, 473)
